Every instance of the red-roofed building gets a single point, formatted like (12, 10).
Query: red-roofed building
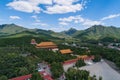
(70, 61)
(84, 57)
(25, 77)
(45, 75)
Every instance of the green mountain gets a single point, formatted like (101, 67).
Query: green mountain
(99, 32)
(13, 31)
(96, 32)
(7, 29)
(28, 33)
(26, 36)
(70, 32)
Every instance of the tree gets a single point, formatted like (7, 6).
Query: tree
(3, 78)
(97, 58)
(100, 78)
(23, 71)
(94, 77)
(56, 69)
(36, 76)
(76, 74)
(89, 78)
(32, 68)
(80, 63)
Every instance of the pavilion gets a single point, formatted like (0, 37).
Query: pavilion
(47, 45)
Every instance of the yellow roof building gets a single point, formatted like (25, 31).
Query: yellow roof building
(46, 45)
(66, 51)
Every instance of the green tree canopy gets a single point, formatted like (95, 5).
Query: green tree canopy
(36, 76)
(23, 71)
(3, 77)
(80, 63)
(56, 69)
(97, 58)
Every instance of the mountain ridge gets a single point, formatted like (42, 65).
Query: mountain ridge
(95, 32)
(98, 32)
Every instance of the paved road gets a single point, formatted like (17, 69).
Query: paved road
(102, 69)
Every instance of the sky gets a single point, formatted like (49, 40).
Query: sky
(59, 15)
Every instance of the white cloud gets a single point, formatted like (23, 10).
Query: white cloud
(79, 20)
(50, 6)
(63, 23)
(24, 6)
(37, 21)
(88, 22)
(28, 5)
(36, 18)
(111, 17)
(37, 2)
(72, 18)
(64, 6)
(14, 17)
(39, 24)
(58, 9)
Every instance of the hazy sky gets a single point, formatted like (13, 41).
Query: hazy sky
(60, 15)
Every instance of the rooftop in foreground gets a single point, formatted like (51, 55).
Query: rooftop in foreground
(25, 77)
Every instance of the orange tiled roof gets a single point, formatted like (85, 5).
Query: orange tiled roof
(82, 57)
(46, 45)
(66, 51)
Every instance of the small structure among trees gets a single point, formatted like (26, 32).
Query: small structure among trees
(66, 51)
(85, 57)
(33, 41)
(82, 57)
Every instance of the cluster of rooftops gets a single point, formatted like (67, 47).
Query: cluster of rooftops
(51, 46)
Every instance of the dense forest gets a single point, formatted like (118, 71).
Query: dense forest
(18, 57)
